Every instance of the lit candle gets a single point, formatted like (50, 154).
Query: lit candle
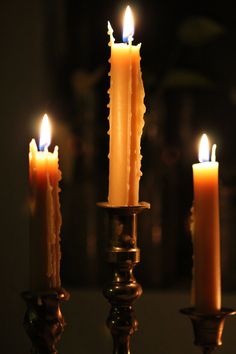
(45, 216)
(206, 234)
(126, 110)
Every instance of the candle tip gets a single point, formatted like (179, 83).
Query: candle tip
(33, 146)
(213, 153)
(110, 33)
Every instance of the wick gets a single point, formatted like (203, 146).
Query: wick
(130, 39)
(43, 147)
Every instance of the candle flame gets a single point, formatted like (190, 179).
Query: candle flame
(128, 28)
(203, 154)
(45, 134)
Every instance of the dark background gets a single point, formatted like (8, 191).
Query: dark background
(54, 59)
(188, 60)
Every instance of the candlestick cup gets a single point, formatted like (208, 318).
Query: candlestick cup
(43, 321)
(208, 328)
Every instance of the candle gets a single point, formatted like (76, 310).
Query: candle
(206, 235)
(45, 216)
(126, 110)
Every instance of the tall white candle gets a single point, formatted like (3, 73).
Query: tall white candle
(45, 215)
(206, 238)
(125, 118)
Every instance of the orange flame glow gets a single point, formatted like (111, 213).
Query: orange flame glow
(45, 133)
(128, 28)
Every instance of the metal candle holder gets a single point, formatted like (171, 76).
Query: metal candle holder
(43, 321)
(123, 289)
(208, 328)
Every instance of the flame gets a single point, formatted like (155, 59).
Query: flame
(203, 154)
(128, 28)
(45, 134)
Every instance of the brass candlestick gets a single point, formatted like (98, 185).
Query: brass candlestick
(208, 328)
(43, 321)
(123, 289)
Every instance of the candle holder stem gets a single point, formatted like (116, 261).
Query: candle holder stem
(123, 289)
(121, 292)
(43, 321)
(121, 344)
(208, 328)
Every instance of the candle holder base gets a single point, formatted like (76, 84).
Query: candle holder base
(43, 321)
(123, 289)
(208, 328)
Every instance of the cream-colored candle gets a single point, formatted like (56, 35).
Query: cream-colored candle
(125, 117)
(45, 215)
(206, 236)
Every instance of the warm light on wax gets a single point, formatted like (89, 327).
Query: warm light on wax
(128, 28)
(206, 231)
(126, 111)
(45, 133)
(45, 215)
(213, 153)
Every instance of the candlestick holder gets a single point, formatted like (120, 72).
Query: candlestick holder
(123, 289)
(208, 328)
(43, 321)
